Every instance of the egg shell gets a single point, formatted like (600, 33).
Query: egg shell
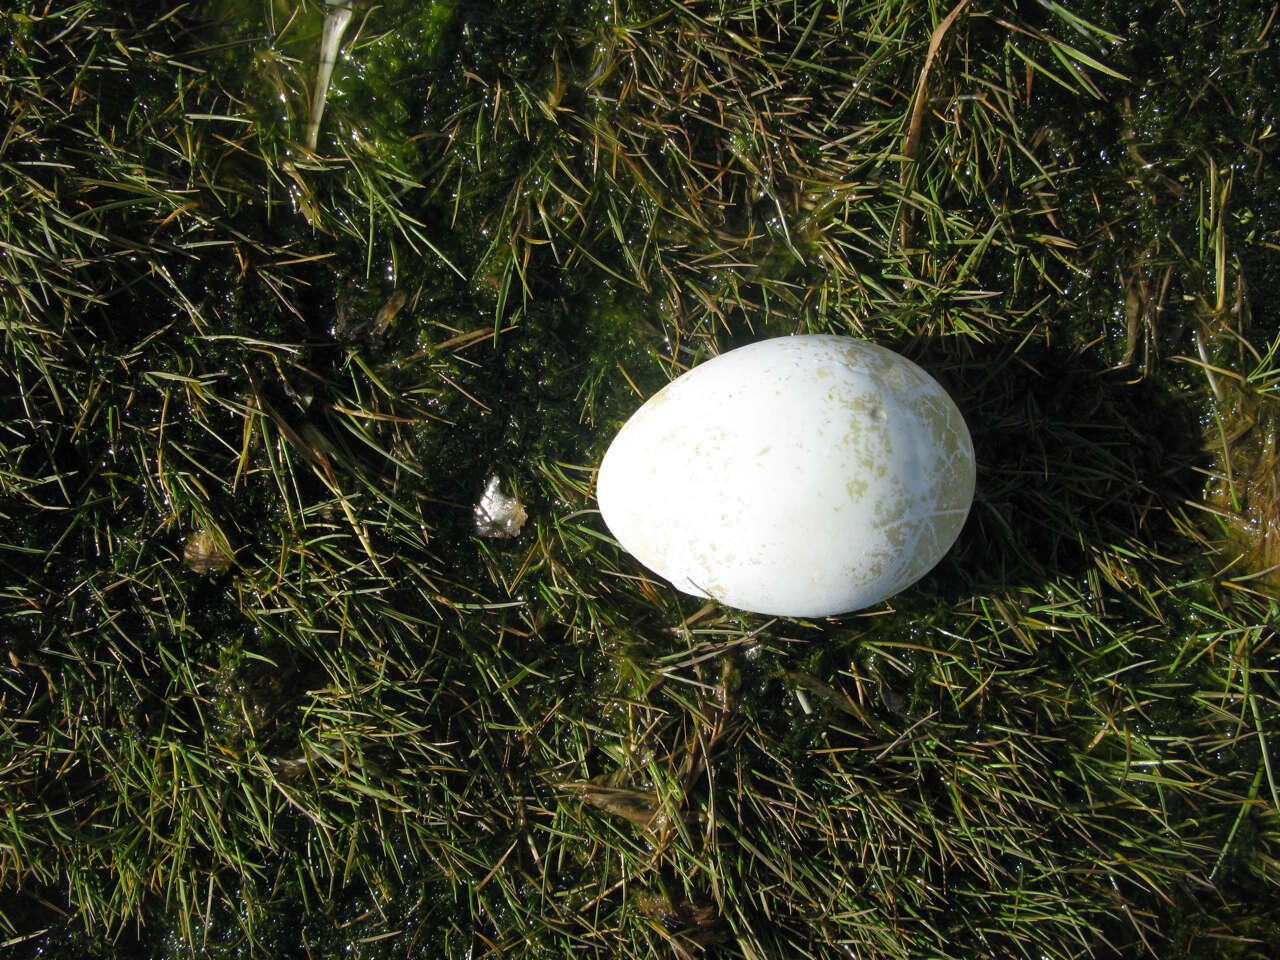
(802, 476)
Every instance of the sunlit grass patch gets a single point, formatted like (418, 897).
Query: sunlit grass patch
(267, 688)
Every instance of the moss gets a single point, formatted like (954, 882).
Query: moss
(1039, 740)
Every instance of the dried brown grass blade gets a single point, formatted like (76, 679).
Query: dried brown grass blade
(911, 143)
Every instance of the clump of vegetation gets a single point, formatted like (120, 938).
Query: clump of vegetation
(267, 691)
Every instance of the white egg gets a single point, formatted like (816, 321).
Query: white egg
(803, 476)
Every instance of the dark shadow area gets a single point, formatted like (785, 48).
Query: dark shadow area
(1072, 457)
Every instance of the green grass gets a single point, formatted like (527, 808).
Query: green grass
(366, 730)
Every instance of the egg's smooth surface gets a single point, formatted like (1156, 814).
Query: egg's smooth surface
(801, 476)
